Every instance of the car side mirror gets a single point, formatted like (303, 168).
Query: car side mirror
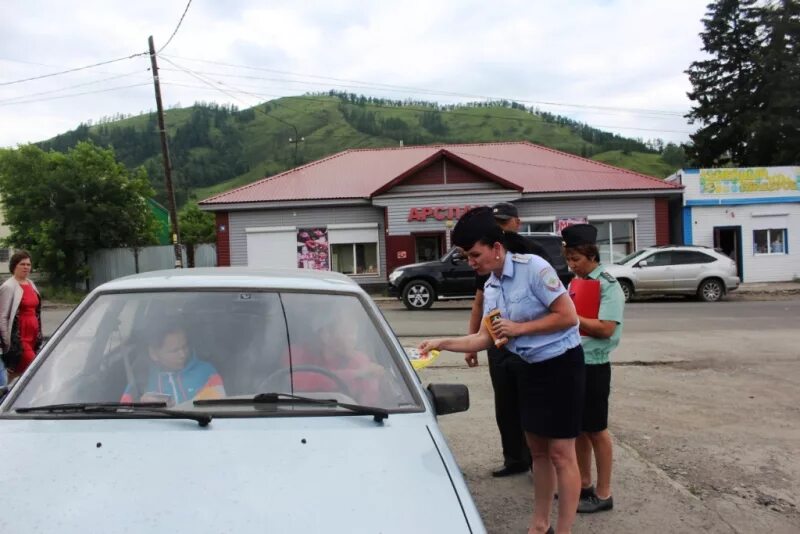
(449, 398)
(456, 259)
(642, 263)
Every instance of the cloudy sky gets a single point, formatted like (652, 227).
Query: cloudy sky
(615, 64)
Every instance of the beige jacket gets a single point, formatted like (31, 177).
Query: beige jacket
(10, 297)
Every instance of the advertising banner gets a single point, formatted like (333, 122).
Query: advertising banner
(569, 221)
(312, 249)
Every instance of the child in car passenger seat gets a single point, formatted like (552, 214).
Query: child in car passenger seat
(176, 372)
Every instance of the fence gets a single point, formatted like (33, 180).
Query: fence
(108, 264)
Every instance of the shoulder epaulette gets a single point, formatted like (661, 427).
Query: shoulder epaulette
(608, 277)
(520, 258)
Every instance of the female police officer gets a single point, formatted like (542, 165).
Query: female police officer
(539, 320)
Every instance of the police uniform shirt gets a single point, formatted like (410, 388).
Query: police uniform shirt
(612, 305)
(525, 290)
(531, 247)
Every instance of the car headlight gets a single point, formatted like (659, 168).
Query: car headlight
(395, 275)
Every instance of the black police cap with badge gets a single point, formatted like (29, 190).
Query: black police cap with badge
(504, 211)
(477, 224)
(579, 234)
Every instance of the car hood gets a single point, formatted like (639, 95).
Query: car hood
(417, 265)
(312, 474)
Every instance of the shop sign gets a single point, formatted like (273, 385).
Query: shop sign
(569, 221)
(749, 180)
(440, 213)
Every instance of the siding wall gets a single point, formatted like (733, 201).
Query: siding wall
(238, 221)
(643, 208)
(756, 267)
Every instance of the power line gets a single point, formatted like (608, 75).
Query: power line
(76, 69)
(439, 92)
(73, 95)
(655, 116)
(529, 118)
(176, 27)
(28, 95)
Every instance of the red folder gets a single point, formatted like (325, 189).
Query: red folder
(586, 296)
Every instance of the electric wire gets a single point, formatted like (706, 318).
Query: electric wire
(367, 84)
(76, 69)
(176, 27)
(28, 95)
(110, 89)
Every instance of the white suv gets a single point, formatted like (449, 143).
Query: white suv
(689, 270)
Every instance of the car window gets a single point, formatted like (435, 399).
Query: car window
(194, 345)
(659, 259)
(631, 256)
(686, 257)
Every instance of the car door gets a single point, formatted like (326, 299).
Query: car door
(458, 278)
(654, 273)
(687, 269)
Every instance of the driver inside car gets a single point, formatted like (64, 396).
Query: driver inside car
(336, 353)
(175, 374)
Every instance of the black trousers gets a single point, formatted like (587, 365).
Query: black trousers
(506, 408)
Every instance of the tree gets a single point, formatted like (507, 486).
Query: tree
(777, 126)
(63, 207)
(746, 93)
(197, 227)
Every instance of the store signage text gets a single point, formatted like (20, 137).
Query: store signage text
(440, 213)
(747, 180)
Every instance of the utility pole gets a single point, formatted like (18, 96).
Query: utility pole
(173, 215)
(296, 139)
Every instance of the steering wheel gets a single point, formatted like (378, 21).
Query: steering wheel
(273, 378)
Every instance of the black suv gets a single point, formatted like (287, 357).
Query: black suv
(420, 284)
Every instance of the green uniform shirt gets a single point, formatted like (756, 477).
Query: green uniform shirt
(612, 305)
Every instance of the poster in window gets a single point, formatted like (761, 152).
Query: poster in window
(312, 249)
(569, 221)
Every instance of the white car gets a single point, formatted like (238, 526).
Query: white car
(229, 400)
(679, 269)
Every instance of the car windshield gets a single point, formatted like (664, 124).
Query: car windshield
(178, 347)
(631, 256)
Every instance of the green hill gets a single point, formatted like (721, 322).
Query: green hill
(215, 148)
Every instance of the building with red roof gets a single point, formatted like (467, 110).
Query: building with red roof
(367, 211)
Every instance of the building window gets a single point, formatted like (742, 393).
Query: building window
(5, 254)
(528, 228)
(771, 241)
(615, 239)
(355, 258)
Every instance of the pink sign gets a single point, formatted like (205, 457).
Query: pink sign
(569, 221)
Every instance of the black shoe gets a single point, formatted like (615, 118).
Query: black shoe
(585, 493)
(595, 504)
(513, 469)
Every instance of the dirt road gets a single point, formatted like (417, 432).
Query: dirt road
(705, 414)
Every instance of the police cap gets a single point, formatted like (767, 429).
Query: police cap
(504, 211)
(579, 234)
(475, 225)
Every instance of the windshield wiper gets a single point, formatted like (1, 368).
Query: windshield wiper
(203, 419)
(378, 414)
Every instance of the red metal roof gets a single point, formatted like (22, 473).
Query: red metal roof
(362, 173)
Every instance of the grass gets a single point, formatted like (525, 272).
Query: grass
(60, 295)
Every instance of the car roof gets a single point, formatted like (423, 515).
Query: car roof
(235, 277)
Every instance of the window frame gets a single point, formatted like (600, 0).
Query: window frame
(609, 260)
(355, 259)
(769, 231)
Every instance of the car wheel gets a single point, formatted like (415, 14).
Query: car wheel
(627, 289)
(418, 295)
(711, 290)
